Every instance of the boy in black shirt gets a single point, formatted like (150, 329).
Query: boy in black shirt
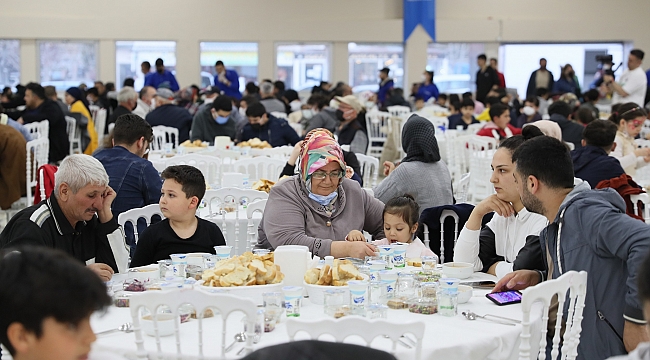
(181, 232)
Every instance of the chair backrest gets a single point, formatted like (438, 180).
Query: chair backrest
(38, 129)
(378, 127)
(443, 216)
(4, 353)
(38, 152)
(645, 200)
(256, 206)
(280, 152)
(279, 115)
(224, 304)
(164, 135)
(210, 166)
(367, 329)
(571, 283)
(260, 168)
(94, 109)
(234, 197)
(462, 189)
(481, 150)
(474, 128)
(398, 110)
(111, 126)
(227, 157)
(132, 216)
(74, 135)
(369, 169)
(99, 118)
(570, 145)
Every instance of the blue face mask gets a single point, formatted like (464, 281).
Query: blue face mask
(221, 120)
(323, 199)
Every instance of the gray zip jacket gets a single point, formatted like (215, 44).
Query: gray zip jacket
(597, 236)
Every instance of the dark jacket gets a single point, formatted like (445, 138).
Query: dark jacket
(45, 225)
(484, 82)
(349, 131)
(571, 132)
(233, 89)
(174, 116)
(428, 91)
(166, 78)
(134, 179)
(276, 131)
(325, 119)
(598, 237)
(456, 120)
(205, 128)
(531, 90)
(593, 164)
(58, 134)
(563, 86)
(384, 86)
(522, 119)
(119, 111)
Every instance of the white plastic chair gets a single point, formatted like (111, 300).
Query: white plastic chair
(132, 216)
(378, 126)
(369, 169)
(260, 167)
(398, 110)
(443, 216)
(462, 189)
(224, 304)
(38, 129)
(481, 150)
(571, 283)
(645, 199)
(367, 329)
(164, 135)
(111, 127)
(214, 199)
(37, 155)
(279, 115)
(257, 206)
(74, 135)
(280, 152)
(210, 166)
(474, 128)
(227, 157)
(570, 145)
(4, 353)
(99, 118)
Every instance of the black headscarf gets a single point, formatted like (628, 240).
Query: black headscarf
(419, 140)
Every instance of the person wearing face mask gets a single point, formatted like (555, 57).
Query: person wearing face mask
(629, 118)
(318, 207)
(267, 127)
(351, 130)
(529, 113)
(127, 101)
(568, 82)
(215, 120)
(428, 89)
(323, 116)
(146, 102)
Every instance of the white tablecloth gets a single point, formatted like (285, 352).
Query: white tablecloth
(445, 337)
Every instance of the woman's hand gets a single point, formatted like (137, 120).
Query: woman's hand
(489, 204)
(295, 153)
(388, 167)
(355, 249)
(349, 172)
(355, 235)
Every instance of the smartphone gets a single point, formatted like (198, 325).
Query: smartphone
(505, 298)
(484, 284)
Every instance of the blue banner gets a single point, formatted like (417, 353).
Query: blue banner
(422, 12)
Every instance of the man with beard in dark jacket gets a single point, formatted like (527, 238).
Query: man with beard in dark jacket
(592, 162)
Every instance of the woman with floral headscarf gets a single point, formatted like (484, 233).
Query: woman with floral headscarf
(319, 206)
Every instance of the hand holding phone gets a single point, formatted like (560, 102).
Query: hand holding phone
(505, 297)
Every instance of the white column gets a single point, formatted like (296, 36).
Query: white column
(340, 66)
(415, 57)
(188, 62)
(266, 60)
(28, 61)
(106, 62)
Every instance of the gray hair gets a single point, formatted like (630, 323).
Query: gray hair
(79, 170)
(266, 88)
(145, 89)
(127, 93)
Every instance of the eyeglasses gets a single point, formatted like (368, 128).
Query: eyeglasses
(321, 175)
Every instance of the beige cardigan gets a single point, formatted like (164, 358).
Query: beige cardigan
(624, 152)
(292, 218)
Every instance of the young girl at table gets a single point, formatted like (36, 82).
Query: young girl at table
(400, 224)
(181, 231)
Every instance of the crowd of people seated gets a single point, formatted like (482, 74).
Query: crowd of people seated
(553, 151)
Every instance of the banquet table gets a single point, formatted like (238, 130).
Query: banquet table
(238, 242)
(444, 337)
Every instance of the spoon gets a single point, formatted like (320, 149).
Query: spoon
(472, 316)
(239, 337)
(126, 327)
(256, 339)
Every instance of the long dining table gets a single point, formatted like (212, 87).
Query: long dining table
(445, 337)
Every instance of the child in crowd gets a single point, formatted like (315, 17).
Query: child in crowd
(181, 231)
(466, 116)
(46, 304)
(400, 224)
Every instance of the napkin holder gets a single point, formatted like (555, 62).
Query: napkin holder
(293, 261)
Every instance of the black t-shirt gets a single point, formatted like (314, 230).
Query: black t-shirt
(159, 241)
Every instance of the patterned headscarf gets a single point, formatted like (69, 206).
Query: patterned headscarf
(319, 149)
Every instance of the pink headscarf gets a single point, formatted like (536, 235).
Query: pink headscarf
(319, 149)
(549, 128)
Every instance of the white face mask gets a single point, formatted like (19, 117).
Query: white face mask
(153, 103)
(529, 111)
(307, 114)
(242, 112)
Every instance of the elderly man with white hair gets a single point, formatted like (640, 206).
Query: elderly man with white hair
(127, 100)
(270, 102)
(76, 219)
(146, 101)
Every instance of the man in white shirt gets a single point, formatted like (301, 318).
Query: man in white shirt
(145, 102)
(632, 85)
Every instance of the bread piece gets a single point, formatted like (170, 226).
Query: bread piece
(270, 271)
(348, 271)
(335, 270)
(235, 278)
(325, 277)
(279, 276)
(257, 266)
(311, 276)
(225, 267)
(339, 282)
